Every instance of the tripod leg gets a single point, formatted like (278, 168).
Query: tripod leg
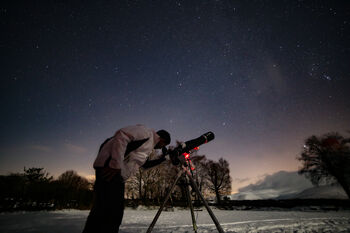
(218, 226)
(191, 206)
(179, 174)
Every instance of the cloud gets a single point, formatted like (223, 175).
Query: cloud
(240, 180)
(75, 149)
(272, 186)
(41, 148)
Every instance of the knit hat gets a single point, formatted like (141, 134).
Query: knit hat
(164, 135)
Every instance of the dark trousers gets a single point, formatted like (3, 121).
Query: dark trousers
(108, 208)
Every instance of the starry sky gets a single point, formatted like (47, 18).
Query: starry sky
(261, 75)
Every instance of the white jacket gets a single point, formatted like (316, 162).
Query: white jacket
(115, 149)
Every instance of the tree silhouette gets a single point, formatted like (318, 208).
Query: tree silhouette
(12, 185)
(200, 173)
(35, 189)
(73, 187)
(71, 180)
(37, 184)
(218, 175)
(327, 159)
(35, 175)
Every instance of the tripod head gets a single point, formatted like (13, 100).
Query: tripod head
(181, 153)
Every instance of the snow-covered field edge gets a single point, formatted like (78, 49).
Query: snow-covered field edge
(179, 220)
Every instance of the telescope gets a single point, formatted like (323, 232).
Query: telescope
(180, 155)
(187, 147)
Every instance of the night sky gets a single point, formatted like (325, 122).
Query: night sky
(261, 75)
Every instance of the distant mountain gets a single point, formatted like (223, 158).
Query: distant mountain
(325, 192)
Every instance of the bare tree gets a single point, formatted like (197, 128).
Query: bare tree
(71, 179)
(149, 184)
(219, 180)
(132, 187)
(73, 189)
(153, 184)
(200, 172)
(327, 159)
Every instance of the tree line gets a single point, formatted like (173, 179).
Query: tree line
(35, 189)
(325, 159)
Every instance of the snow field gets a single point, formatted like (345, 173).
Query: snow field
(136, 221)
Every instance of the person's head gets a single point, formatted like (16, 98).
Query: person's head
(164, 139)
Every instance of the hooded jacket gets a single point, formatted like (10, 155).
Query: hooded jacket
(119, 151)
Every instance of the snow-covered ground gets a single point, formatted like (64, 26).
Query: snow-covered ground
(72, 221)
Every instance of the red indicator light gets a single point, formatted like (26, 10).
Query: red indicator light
(187, 155)
(196, 148)
(192, 168)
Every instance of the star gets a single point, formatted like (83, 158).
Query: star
(327, 77)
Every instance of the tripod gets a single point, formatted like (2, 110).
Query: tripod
(188, 176)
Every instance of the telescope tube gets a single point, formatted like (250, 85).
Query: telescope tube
(189, 145)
